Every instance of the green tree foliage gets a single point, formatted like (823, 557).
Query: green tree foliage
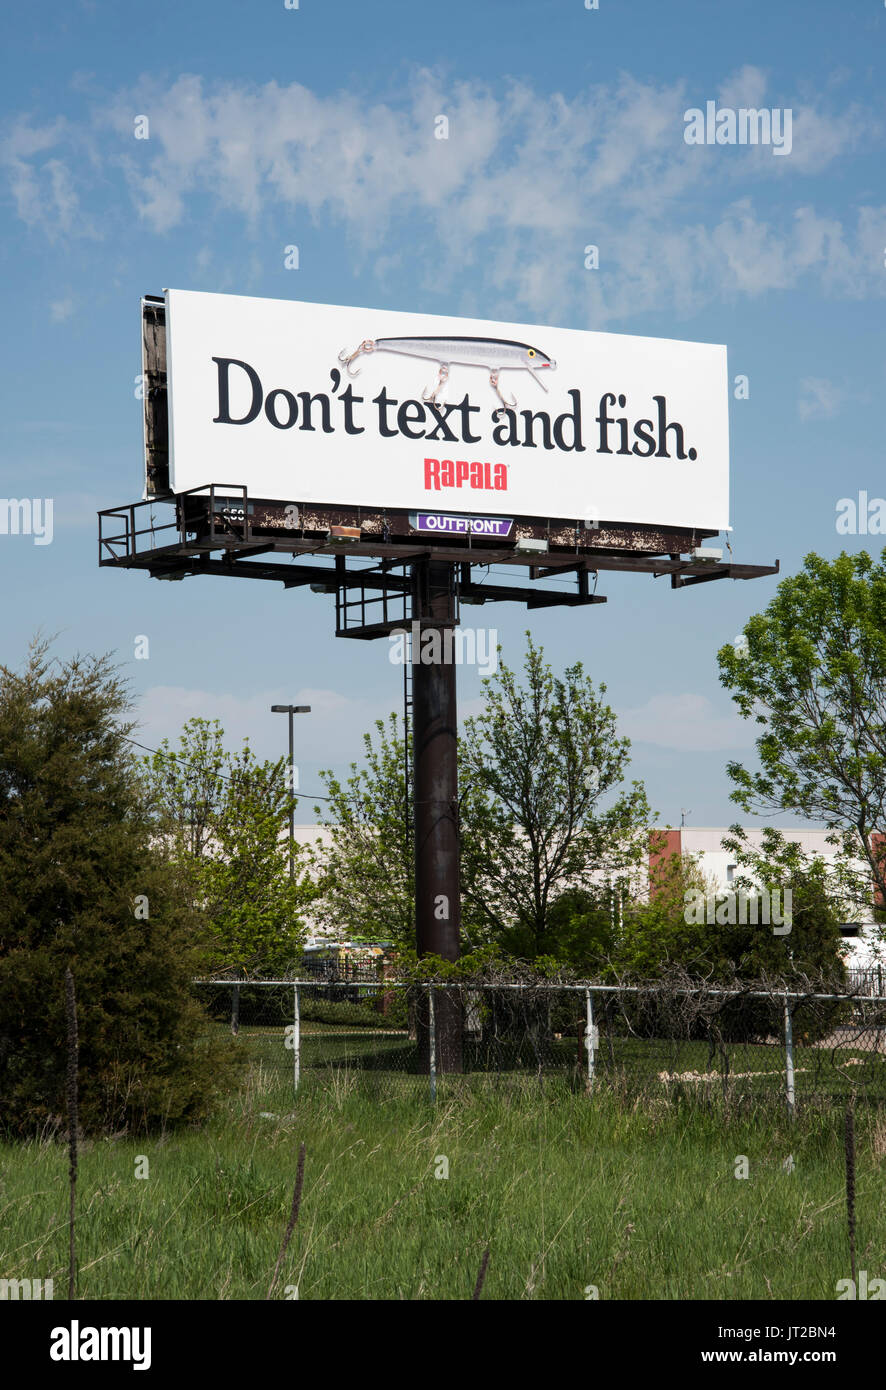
(812, 675)
(813, 948)
(544, 807)
(365, 875)
(799, 949)
(539, 812)
(671, 928)
(85, 885)
(583, 928)
(655, 935)
(225, 818)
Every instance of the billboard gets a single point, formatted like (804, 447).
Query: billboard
(318, 403)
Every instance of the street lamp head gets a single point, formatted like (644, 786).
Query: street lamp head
(290, 709)
(302, 709)
(279, 709)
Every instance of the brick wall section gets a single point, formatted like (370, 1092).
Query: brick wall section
(662, 845)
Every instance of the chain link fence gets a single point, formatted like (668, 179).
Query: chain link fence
(680, 1043)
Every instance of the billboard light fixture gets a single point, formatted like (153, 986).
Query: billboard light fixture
(527, 546)
(707, 552)
(344, 533)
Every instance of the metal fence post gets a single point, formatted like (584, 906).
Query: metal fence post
(789, 1053)
(589, 1036)
(296, 1037)
(235, 1010)
(432, 1044)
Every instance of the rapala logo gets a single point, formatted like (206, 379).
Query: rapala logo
(76, 1343)
(440, 473)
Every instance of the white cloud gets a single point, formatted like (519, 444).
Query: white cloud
(819, 138)
(819, 399)
(43, 188)
(330, 735)
(747, 87)
(61, 309)
(524, 181)
(687, 722)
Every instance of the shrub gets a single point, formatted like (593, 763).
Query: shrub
(86, 886)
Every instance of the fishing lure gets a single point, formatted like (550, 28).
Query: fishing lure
(496, 355)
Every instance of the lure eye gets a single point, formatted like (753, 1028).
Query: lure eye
(531, 352)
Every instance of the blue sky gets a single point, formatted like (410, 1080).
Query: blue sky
(271, 127)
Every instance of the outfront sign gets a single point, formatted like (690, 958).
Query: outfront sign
(430, 523)
(363, 407)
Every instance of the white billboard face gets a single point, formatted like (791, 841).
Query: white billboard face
(372, 408)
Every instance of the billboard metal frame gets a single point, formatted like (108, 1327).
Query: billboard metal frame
(219, 530)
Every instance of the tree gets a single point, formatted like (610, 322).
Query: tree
(86, 885)
(656, 935)
(812, 674)
(541, 768)
(583, 928)
(534, 768)
(365, 875)
(808, 945)
(724, 935)
(225, 817)
(691, 929)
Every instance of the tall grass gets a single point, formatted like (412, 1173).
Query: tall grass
(638, 1198)
(849, 1136)
(72, 1100)
(293, 1218)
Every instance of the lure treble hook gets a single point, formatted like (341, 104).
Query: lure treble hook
(368, 345)
(442, 378)
(493, 382)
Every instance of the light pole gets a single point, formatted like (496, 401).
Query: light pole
(291, 710)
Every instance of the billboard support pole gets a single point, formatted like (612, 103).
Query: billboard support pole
(435, 798)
